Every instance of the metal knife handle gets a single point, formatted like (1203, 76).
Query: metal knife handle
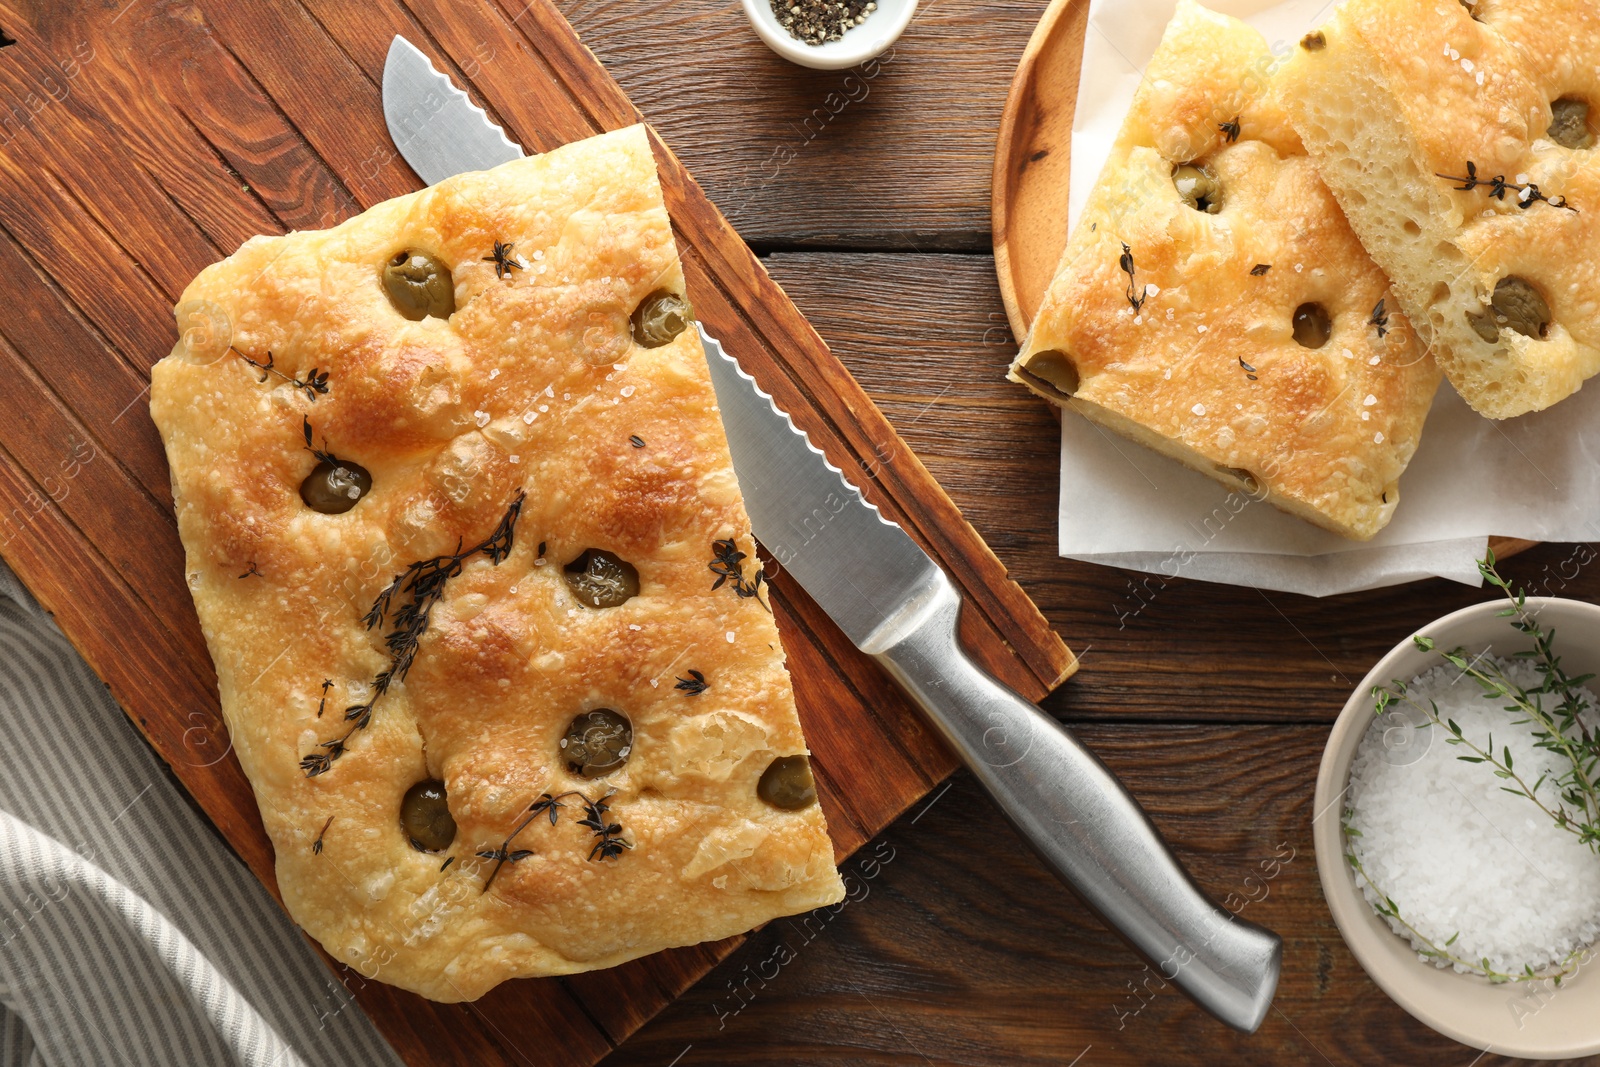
(1078, 817)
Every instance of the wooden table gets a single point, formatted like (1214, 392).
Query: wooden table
(868, 199)
(867, 194)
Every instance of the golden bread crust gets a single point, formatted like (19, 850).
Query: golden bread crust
(1207, 369)
(1405, 92)
(533, 385)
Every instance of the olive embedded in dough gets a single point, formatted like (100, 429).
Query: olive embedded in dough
(787, 784)
(333, 488)
(1569, 123)
(419, 285)
(1518, 305)
(660, 317)
(1251, 484)
(602, 579)
(1312, 325)
(425, 816)
(1483, 324)
(597, 743)
(1198, 188)
(1052, 370)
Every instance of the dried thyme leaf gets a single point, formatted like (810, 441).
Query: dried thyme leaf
(727, 564)
(313, 385)
(609, 843)
(423, 583)
(316, 846)
(503, 259)
(1125, 261)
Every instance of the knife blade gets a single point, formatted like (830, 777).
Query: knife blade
(857, 565)
(436, 126)
(898, 606)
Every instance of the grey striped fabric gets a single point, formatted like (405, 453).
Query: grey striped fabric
(129, 933)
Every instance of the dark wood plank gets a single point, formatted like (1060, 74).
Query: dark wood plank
(895, 154)
(529, 1023)
(72, 359)
(61, 455)
(62, 145)
(510, 60)
(941, 960)
(241, 140)
(93, 270)
(330, 100)
(171, 152)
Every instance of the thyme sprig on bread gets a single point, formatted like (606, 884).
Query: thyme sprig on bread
(314, 384)
(422, 584)
(1498, 186)
(609, 843)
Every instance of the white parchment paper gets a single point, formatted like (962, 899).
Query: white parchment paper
(1123, 505)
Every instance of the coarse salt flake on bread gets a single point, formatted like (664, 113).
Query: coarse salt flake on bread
(1459, 138)
(1213, 303)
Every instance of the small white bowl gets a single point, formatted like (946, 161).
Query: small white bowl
(859, 43)
(1517, 1019)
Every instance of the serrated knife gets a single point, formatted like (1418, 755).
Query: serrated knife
(899, 607)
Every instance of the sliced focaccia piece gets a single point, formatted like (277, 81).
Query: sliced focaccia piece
(469, 553)
(1460, 141)
(1213, 304)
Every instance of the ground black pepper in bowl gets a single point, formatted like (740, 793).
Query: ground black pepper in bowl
(821, 21)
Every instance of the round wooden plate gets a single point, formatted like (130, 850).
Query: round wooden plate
(1032, 165)
(1033, 161)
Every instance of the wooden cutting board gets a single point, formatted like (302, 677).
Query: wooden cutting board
(1032, 167)
(141, 140)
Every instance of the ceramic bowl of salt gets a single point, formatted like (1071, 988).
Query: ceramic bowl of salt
(1480, 884)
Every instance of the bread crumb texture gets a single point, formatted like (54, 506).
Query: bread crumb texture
(1459, 140)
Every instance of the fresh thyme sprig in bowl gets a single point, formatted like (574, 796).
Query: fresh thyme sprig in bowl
(1468, 883)
(1544, 705)
(1553, 709)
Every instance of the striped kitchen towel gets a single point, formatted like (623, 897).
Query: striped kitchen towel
(129, 933)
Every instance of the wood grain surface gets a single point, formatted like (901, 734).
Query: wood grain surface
(956, 947)
(144, 140)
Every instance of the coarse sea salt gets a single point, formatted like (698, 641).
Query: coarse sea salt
(1458, 855)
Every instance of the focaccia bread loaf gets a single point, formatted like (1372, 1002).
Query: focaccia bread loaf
(1213, 304)
(465, 538)
(1459, 141)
